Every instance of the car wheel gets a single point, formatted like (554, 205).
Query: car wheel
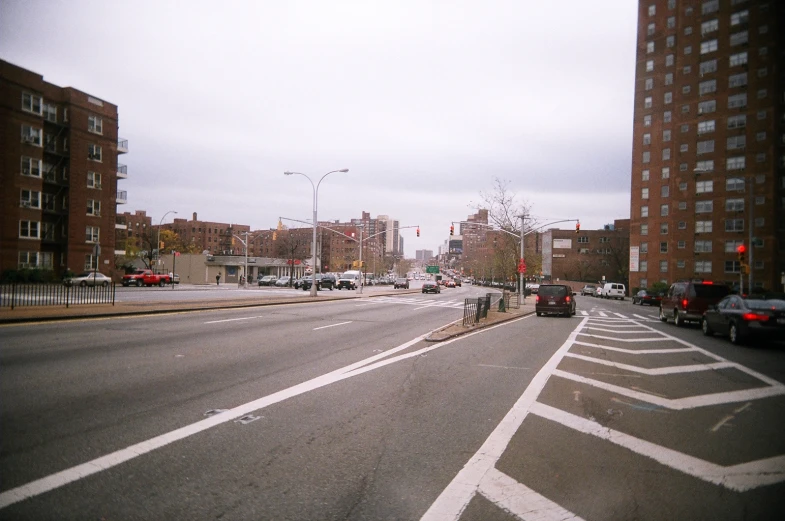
(539, 314)
(83, 283)
(139, 283)
(104, 284)
(161, 283)
(677, 319)
(663, 317)
(706, 328)
(733, 334)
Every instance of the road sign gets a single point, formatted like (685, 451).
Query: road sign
(432, 269)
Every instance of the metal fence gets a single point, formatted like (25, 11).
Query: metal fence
(512, 300)
(476, 309)
(22, 295)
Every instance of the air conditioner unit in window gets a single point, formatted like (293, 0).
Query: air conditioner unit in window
(25, 204)
(97, 186)
(96, 214)
(25, 171)
(29, 138)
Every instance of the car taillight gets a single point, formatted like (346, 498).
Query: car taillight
(684, 304)
(752, 317)
(567, 299)
(537, 299)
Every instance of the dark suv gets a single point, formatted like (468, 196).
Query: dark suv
(687, 301)
(555, 299)
(323, 281)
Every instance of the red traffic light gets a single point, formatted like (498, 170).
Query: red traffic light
(452, 229)
(577, 227)
(741, 248)
(418, 232)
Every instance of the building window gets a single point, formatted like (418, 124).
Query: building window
(32, 103)
(702, 187)
(737, 142)
(762, 72)
(669, 79)
(741, 17)
(687, 50)
(740, 58)
(684, 147)
(668, 97)
(738, 121)
(704, 166)
(666, 172)
(92, 234)
(666, 135)
(93, 180)
(760, 200)
(706, 147)
(644, 211)
(644, 193)
(652, 10)
(644, 229)
(708, 67)
(666, 154)
(759, 223)
(709, 27)
(683, 185)
(706, 87)
(685, 109)
(95, 125)
(730, 246)
(647, 139)
(762, 93)
(649, 84)
(29, 230)
(671, 23)
(670, 41)
(732, 266)
(682, 167)
(647, 102)
(663, 210)
(704, 206)
(682, 205)
(688, 31)
(650, 29)
(760, 136)
(649, 65)
(669, 60)
(644, 247)
(90, 262)
(709, 46)
(646, 157)
(30, 199)
(649, 47)
(760, 157)
(734, 184)
(663, 266)
(31, 167)
(702, 266)
(685, 89)
(706, 107)
(94, 207)
(94, 152)
(734, 225)
(735, 163)
(705, 127)
(703, 226)
(734, 205)
(50, 112)
(710, 6)
(647, 120)
(645, 175)
(682, 225)
(31, 135)
(703, 246)
(739, 38)
(664, 191)
(737, 80)
(666, 116)
(763, 51)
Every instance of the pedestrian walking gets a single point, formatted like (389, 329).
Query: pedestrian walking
(218, 280)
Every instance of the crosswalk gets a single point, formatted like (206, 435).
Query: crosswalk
(420, 302)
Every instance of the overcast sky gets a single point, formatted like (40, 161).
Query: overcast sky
(424, 102)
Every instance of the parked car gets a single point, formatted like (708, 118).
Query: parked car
(647, 297)
(323, 281)
(534, 287)
(431, 287)
(282, 281)
(743, 318)
(349, 279)
(449, 284)
(88, 279)
(457, 281)
(401, 282)
(299, 282)
(598, 292)
(555, 299)
(588, 290)
(614, 290)
(267, 280)
(687, 301)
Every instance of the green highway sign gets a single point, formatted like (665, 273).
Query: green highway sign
(432, 269)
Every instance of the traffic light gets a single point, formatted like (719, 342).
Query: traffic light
(452, 229)
(418, 231)
(275, 235)
(741, 251)
(161, 245)
(578, 227)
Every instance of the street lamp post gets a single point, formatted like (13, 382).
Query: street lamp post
(158, 243)
(315, 200)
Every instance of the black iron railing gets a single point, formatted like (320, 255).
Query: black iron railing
(476, 309)
(22, 294)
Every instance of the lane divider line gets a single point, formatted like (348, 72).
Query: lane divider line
(332, 325)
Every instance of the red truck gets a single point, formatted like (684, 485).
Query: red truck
(146, 278)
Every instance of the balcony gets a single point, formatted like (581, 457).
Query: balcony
(122, 171)
(122, 146)
(122, 197)
(120, 226)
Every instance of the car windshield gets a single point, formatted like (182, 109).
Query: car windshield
(553, 291)
(712, 291)
(761, 304)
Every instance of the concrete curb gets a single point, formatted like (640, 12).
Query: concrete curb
(451, 331)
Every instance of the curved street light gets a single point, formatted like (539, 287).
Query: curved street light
(159, 232)
(315, 200)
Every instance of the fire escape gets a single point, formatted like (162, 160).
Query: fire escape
(54, 221)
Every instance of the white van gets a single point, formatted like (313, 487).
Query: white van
(614, 290)
(349, 279)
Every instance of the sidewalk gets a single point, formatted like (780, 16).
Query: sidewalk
(494, 317)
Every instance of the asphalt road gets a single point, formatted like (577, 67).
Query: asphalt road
(338, 410)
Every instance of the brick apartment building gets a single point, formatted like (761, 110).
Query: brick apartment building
(59, 172)
(136, 225)
(212, 237)
(708, 167)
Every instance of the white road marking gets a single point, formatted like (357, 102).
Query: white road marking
(332, 325)
(640, 317)
(628, 340)
(502, 366)
(585, 313)
(677, 369)
(616, 330)
(638, 351)
(231, 320)
(520, 500)
(620, 315)
(602, 314)
(741, 477)
(454, 499)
